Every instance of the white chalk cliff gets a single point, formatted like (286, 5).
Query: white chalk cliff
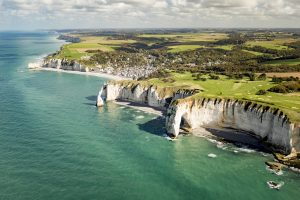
(64, 64)
(73, 65)
(143, 93)
(270, 125)
(184, 108)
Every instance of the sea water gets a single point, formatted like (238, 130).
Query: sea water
(55, 144)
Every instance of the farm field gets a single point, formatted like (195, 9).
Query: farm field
(78, 50)
(179, 48)
(277, 44)
(189, 37)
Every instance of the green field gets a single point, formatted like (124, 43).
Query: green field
(78, 50)
(179, 48)
(254, 52)
(189, 37)
(284, 62)
(238, 89)
(277, 44)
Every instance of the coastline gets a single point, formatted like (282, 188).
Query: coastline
(97, 74)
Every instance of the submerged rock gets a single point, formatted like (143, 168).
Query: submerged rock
(274, 185)
(275, 166)
(291, 160)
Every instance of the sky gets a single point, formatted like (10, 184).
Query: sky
(65, 14)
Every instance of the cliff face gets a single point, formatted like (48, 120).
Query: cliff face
(64, 64)
(129, 72)
(188, 111)
(142, 93)
(268, 124)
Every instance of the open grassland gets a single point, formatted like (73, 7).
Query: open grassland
(277, 44)
(238, 89)
(189, 37)
(284, 62)
(77, 50)
(179, 48)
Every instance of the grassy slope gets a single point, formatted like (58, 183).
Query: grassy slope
(239, 89)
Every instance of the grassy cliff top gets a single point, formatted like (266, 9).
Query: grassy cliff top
(163, 91)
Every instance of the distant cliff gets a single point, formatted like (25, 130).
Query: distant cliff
(73, 65)
(187, 109)
(69, 38)
(64, 64)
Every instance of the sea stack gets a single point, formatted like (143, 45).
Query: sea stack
(99, 102)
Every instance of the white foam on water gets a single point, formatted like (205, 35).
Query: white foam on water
(246, 150)
(212, 140)
(278, 173)
(211, 155)
(140, 117)
(274, 185)
(294, 169)
(222, 145)
(168, 138)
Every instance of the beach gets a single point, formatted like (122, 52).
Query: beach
(97, 74)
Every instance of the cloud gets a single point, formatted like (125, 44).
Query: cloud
(151, 13)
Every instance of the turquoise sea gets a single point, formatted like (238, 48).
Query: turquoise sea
(55, 144)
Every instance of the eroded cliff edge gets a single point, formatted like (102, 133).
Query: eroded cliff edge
(187, 109)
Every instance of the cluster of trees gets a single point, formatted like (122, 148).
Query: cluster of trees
(286, 87)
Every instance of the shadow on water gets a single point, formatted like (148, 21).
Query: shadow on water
(239, 138)
(154, 126)
(90, 104)
(92, 98)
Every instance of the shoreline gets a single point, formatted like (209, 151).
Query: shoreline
(96, 74)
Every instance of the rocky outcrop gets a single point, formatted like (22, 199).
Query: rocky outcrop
(267, 124)
(187, 110)
(143, 93)
(100, 102)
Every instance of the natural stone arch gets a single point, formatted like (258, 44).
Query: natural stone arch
(185, 123)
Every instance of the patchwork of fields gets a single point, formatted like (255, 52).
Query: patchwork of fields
(263, 49)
